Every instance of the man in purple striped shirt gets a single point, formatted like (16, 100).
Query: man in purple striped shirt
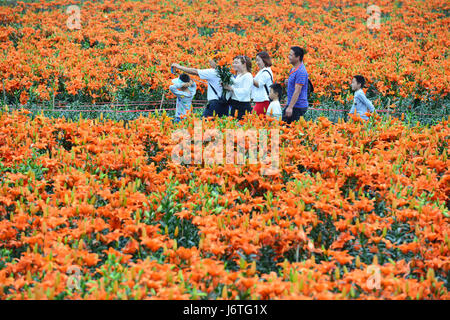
(297, 87)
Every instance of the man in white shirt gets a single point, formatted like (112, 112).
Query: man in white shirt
(216, 105)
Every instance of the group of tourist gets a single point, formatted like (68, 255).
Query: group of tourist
(235, 99)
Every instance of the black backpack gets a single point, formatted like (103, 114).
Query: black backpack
(310, 88)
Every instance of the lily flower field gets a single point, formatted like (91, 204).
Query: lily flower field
(97, 208)
(357, 210)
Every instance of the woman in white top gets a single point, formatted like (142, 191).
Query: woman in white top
(242, 87)
(262, 82)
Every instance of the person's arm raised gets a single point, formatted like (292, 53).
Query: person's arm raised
(185, 69)
(176, 90)
(193, 87)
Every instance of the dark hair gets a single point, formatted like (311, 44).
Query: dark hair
(184, 77)
(278, 89)
(360, 79)
(298, 52)
(245, 60)
(265, 58)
